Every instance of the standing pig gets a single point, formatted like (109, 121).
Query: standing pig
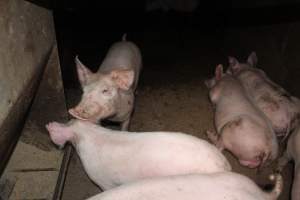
(109, 93)
(278, 105)
(216, 186)
(241, 127)
(293, 153)
(112, 158)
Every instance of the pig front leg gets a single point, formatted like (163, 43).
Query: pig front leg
(59, 133)
(125, 124)
(283, 161)
(215, 139)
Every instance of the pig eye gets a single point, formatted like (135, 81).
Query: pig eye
(105, 91)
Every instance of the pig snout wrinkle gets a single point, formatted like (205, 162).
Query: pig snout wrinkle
(75, 114)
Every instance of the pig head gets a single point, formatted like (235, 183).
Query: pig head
(240, 126)
(105, 95)
(235, 66)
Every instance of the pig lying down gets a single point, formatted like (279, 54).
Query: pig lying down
(109, 93)
(278, 105)
(112, 158)
(216, 186)
(293, 153)
(241, 127)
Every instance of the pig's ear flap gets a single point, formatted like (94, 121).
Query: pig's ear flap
(83, 72)
(234, 64)
(252, 59)
(210, 83)
(232, 61)
(219, 72)
(123, 78)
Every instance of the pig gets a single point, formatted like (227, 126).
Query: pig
(277, 104)
(240, 126)
(112, 157)
(293, 153)
(109, 93)
(215, 186)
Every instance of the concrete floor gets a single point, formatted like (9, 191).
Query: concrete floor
(171, 94)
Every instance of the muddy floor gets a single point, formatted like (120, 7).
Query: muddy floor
(171, 93)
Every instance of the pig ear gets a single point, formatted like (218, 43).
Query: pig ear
(232, 61)
(252, 59)
(210, 83)
(123, 78)
(234, 64)
(83, 72)
(219, 72)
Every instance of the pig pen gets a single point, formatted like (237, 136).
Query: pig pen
(179, 53)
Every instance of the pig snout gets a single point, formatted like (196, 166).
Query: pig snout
(89, 112)
(250, 163)
(258, 161)
(76, 114)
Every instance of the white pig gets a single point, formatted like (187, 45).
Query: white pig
(240, 126)
(293, 153)
(112, 158)
(109, 93)
(216, 186)
(278, 105)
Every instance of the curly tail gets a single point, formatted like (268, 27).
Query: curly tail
(124, 37)
(278, 180)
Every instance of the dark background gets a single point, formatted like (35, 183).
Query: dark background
(88, 28)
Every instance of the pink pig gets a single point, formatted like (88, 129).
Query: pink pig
(278, 105)
(293, 153)
(241, 127)
(112, 158)
(109, 93)
(216, 186)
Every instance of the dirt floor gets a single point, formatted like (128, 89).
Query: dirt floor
(172, 96)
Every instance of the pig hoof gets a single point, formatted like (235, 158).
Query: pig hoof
(59, 133)
(212, 136)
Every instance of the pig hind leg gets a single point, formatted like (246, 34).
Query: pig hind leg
(59, 133)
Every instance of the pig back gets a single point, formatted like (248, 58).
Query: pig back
(189, 187)
(122, 55)
(233, 102)
(277, 104)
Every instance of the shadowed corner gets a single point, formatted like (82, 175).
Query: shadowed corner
(43, 3)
